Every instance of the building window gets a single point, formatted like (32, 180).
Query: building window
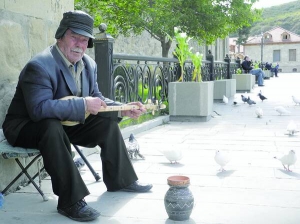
(286, 36)
(292, 54)
(276, 55)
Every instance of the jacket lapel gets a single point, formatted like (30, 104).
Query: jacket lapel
(65, 71)
(84, 83)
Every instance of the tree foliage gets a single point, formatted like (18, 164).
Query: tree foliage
(203, 20)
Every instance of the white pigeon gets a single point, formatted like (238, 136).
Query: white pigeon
(225, 99)
(172, 154)
(296, 100)
(235, 100)
(282, 111)
(222, 158)
(292, 128)
(288, 159)
(259, 112)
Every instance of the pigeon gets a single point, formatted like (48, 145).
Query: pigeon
(79, 163)
(281, 110)
(222, 158)
(296, 100)
(225, 99)
(292, 128)
(244, 99)
(250, 102)
(172, 154)
(133, 148)
(262, 97)
(288, 159)
(235, 100)
(259, 112)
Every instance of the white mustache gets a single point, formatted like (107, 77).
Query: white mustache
(77, 50)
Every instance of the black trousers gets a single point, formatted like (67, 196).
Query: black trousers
(53, 140)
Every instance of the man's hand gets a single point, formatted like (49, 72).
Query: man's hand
(134, 113)
(93, 104)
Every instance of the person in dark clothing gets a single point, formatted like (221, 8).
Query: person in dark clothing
(246, 65)
(35, 115)
(272, 68)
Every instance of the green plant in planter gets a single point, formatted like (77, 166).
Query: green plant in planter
(197, 63)
(182, 51)
(239, 71)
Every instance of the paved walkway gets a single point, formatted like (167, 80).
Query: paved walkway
(254, 189)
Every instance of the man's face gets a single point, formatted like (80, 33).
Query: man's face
(73, 45)
(247, 59)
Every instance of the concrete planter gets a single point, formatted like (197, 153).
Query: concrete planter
(190, 101)
(244, 82)
(268, 74)
(225, 87)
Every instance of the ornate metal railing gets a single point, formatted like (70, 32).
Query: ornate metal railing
(220, 70)
(142, 78)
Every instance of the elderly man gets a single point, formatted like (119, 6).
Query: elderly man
(34, 117)
(258, 72)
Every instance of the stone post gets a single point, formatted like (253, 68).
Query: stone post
(227, 59)
(210, 57)
(103, 44)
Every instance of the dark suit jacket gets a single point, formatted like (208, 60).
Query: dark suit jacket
(43, 81)
(246, 65)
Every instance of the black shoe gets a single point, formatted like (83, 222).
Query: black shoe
(80, 212)
(261, 85)
(137, 187)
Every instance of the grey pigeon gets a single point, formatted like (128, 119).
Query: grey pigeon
(133, 148)
(79, 163)
(287, 159)
(244, 99)
(262, 97)
(250, 102)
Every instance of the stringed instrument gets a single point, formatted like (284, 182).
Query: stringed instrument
(148, 106)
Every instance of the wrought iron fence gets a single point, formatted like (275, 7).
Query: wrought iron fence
(142, 78)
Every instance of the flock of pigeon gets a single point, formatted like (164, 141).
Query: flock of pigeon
(223, 158)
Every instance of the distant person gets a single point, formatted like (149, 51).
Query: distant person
(258, 72)
(275, 69)
(272, 68)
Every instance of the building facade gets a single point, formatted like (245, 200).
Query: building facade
(276, 45)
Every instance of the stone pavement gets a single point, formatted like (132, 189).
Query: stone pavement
(254, 189)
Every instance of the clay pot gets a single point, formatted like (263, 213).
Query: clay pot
(179, 200)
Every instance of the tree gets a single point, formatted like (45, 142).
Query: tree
(243, 35)
(203, 20)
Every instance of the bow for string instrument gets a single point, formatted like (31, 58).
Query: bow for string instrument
(149, 106)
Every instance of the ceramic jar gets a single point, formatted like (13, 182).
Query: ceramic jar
(179, 200)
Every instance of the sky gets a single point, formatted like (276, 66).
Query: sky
(269, 3)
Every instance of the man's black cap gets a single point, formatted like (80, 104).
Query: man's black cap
(79, 22)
